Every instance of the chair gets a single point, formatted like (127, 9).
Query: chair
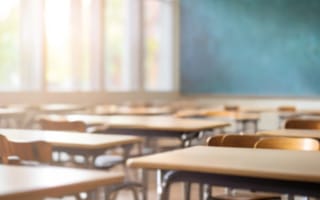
(239, 141)
(234, 108)
(24, 152)
(5, 150)
(33, 152)
(246, 141)
(62, 125)
(233, 140)
(287, 108)
(302, 144)
(302, 124)
(286, 112)
(101, 161)
(215, 140)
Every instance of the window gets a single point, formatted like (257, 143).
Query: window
(9, 45)
(87, 45)
(67, 45)
(116, 69)
(157, 44)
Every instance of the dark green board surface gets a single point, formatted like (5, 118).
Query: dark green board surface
(250, 47)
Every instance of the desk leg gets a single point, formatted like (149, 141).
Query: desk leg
(159, 176)
(255, 124)
(187, 189)
(186, 138)
(145, 182)
(164, 184)
(93, 194)
(239, 126)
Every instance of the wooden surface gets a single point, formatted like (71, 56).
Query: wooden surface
(164, 123)
(69, 139)
(292, 133)
(59, 108)
(11, 112)
(238, 116)
(127, 110)
(258, 163)
(214, 113)
(22, 183)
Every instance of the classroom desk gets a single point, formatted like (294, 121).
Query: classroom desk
(150, 126)
(60, 108)
(292, 133)
(269, 170)
(29, 183)
(241, 119)
(88, 144)
(11, 116)
(127, 110)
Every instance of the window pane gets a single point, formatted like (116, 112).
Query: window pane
(9, 45)
(84, 76)
(157, 41)
(117, 75)
(67, 42)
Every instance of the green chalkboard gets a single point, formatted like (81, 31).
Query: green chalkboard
(250, 47)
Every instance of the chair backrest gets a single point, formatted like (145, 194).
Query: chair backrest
(305, 144)
(215, 140)
(219, 113)
(5, 149)
(39, 151)
(302, 124)
(232, 140)
(234, 108)
(247, 141)
(62, 125)
(287, 108)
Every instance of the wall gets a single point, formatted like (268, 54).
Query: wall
(250, 48)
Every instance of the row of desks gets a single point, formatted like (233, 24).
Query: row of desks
(149, 127)
(283, 169)
(141, 126)
(92, 145)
